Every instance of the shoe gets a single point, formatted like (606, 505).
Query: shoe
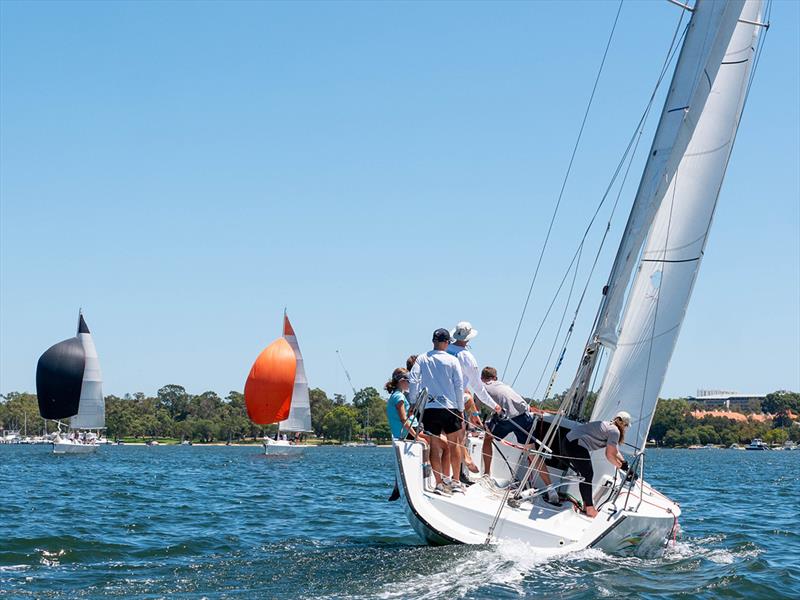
(442, 490)
(464, 479)
(456, 487)
(552, 498)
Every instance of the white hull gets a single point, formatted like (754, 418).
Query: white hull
(282, 448)
(629, 526)
(71, 447)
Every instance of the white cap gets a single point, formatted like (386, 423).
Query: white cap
(623, 416)
(463, 332)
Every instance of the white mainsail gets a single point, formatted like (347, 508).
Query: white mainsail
(92, 408)
(707, 39)
(671, 256)
(299, 418)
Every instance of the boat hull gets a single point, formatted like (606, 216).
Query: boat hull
(639, 525)
(73, 448)
(282, 448)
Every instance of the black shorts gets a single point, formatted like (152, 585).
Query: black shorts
(438, 420)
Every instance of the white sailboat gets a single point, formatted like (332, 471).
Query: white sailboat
(652, 278)
(277, 392)
(68, 367)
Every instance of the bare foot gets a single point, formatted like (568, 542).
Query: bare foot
(472, 467)
(591, 512)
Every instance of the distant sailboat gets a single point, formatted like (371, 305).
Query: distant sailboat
(69, 384)
(276, 391)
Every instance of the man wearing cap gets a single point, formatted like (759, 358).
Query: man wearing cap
(596, 435)
(462, 334)
(439, 373)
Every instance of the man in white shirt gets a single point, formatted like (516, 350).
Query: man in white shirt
(462, 334)
(440, 373)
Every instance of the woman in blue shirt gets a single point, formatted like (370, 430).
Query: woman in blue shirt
(403, 426)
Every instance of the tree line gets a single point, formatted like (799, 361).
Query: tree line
(207, 417)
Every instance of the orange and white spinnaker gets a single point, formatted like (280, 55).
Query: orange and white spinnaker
(276, 390)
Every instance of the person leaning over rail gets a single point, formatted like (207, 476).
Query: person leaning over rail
(596, 435)
(439, 373)
(515, 418)
(461, 335)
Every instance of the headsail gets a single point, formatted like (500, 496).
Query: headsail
(674, 248)
(92, 409)
(300, 413)
(268, 390)
(59, 374)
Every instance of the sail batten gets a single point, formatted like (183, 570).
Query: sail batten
(675, 244)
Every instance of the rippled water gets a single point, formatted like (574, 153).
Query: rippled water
(225, 522)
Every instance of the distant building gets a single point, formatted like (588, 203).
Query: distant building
(728, 400)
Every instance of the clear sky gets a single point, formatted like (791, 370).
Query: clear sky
(183, 171)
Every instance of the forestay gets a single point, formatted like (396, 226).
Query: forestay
(299, 418)
(671, 256)
(92, 407)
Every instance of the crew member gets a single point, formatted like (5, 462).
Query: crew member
(461, 335)
(596, 435)
(439, 373)
(402, 425)
(516, 418)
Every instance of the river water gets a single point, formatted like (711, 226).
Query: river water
(228, 522)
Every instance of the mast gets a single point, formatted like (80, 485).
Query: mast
(707, 37)
(670, 260)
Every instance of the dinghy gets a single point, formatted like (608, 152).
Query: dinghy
(637, 324)
(69, 384)
(276, 391)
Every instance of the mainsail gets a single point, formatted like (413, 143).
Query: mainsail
(59, 374)
(92, 409)
(299, 418)
(268, 390)
(671, 255)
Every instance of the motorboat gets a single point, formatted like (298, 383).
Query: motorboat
(758, 444)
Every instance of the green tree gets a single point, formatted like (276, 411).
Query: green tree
(341, 423)
(321, 405)
(175, 400)
(371, 408)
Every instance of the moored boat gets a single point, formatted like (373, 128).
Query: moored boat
(758, 444)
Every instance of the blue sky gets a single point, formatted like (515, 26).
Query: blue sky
(183, 171)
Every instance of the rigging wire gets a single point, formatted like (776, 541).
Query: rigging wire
(563, 186)
(591, 271)
(632, 144)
